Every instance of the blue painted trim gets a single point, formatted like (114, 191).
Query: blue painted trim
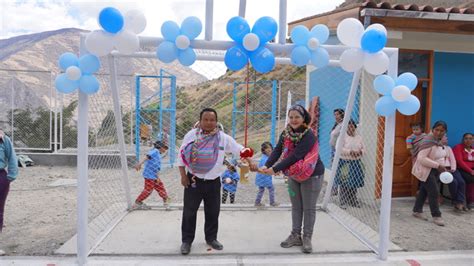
(172, 111)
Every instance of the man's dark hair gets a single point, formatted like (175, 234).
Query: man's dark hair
(207, 110)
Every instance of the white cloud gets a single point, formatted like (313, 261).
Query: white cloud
(30, 16)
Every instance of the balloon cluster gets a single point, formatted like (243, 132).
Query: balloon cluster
(366, 46)
(396, 94)
(177, 41)
(307, 45)
(250, 44)
(117, 31)
(78, 73)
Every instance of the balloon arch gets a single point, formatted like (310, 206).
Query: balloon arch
(361, 49)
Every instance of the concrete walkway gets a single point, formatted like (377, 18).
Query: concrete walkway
(432, 258)
(242, 232)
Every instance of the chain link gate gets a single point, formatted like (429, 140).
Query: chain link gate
(26, 116)
(262, 112)
(155, 113)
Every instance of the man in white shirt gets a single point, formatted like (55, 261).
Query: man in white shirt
(200, 165)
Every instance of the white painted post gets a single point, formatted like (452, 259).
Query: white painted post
(282, 22)
(387, 174)
(345, 122)
(56, 108)
(12, 99)
(82, 173)
(242, 6)
(119, 126)
(61, 122)
(51, 109)
(209, 19)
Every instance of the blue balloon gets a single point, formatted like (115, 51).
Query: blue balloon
(236, 58)
(68, 59)
(266, 29)
(167, 52)
(300, 35)
(321, 32)
(65, 85)
(373, 41)
(191, 27)
(187, 57)
(385, 106)
(89, 84)
(320, 57)
(89, 64)
(410, 106)
(408, 79)
(170, 30)
(237, 28)
(262, 60)
(111, 19)
(384, 84)
(300, 55)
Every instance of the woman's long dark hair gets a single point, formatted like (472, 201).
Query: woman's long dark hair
(440, 123)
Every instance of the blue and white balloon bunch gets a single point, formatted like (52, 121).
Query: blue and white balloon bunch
(396, 94)
(117, 31)
(366, 46)
(177, 41)
(250, 44)
(308, 45)
(78, 73)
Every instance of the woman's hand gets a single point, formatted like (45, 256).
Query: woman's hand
(441, 169)
(185, 181)
(269, 171)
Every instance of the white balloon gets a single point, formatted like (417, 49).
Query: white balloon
(378, 27)
(251, 42)
(349, 32)
(446, 177)
(377, 63)
(313, 44)
(127, 42)
(352, 59)
(135, 21)
(401, 93)
(182, 42)
(99, 43)
(73, 73)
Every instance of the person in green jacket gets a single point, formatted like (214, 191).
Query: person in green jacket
(8, 172)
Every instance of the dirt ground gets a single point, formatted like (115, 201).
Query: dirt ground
(40, 218)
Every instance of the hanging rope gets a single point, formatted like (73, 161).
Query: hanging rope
(246, 105)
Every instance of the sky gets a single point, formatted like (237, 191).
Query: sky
(28, 16)
(31, 16)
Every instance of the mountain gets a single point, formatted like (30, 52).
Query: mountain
(29, 65)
